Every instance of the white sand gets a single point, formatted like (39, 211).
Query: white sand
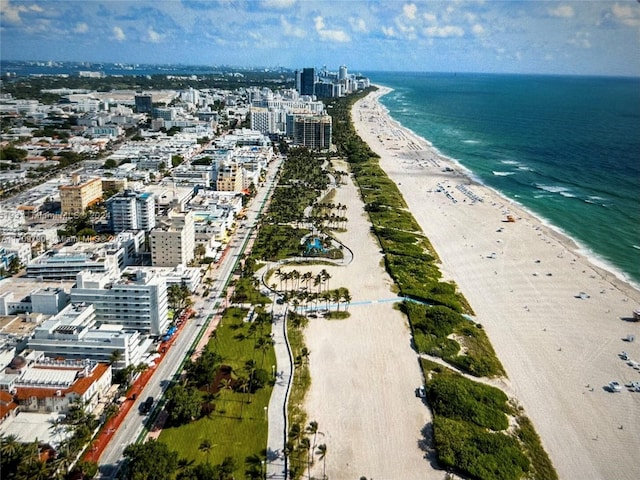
(559, 351)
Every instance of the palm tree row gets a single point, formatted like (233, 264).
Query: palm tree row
(312, 301)
(320, 280)
(299, 444)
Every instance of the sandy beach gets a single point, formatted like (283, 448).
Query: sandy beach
(557, 321)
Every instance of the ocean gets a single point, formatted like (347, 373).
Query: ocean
(565, 148)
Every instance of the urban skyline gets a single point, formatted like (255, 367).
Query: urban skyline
(550, 37)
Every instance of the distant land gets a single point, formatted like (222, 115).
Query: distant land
(19, 68)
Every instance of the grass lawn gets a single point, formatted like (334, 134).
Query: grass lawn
(237, 427)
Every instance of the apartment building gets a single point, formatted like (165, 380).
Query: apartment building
(230, 178)
(131, 210)
(311, 131)
(172, 242)
(137, 302)
(75, 198)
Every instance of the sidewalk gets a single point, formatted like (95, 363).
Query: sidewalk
(277, 434)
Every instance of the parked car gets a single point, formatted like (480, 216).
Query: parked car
(615, 386)
(420, 392)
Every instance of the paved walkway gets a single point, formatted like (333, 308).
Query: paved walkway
(278, 418)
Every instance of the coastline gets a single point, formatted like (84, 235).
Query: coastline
(594, 258)
(559, 349)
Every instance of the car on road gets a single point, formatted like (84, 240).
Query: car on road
(145, 407)
(615, 387)
(420, 392)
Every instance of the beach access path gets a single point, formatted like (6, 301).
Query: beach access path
(557, 321)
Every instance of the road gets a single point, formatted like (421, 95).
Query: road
(133, 426)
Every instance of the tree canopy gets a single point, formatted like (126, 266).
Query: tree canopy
(150, 461)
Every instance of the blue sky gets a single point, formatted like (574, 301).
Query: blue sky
(516, 36)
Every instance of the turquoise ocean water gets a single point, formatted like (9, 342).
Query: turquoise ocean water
(566, 148)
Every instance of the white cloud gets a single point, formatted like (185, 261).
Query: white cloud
(562, 11)
(81, 28)
(478, 29)
(444, 32)
(279, 4)
(36, 8)
(409, 10)
(291, 30)
(118, 34)
(388, 32)
(330, 35)
(154, 37)
(334, 35)
(358, 25)
(429, 17)
(626, 15)
(11, 13)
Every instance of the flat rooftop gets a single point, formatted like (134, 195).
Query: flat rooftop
(21, 287)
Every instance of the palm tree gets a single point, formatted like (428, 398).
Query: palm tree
(346, 296)
(322, 455)
(115, 357)
(9, 446)
(306, 278)
(205, 447)
(305, 445)
(325, 277)
(304, 353)
(278, 274)
(312, 429)
(295, 275)
(295, 433)
(335, 297)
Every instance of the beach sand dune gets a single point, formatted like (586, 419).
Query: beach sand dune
(557, 321)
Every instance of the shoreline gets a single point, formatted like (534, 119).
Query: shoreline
(583, 250)
(558, 348)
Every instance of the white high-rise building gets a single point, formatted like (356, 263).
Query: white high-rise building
(342, 72)
(138, 302)
(131, 211)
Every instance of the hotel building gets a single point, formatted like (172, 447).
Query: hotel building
(137, 302)
(75, 198)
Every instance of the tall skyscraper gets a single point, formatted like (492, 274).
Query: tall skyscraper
(342, 73)
(307, 81)
(144, 103)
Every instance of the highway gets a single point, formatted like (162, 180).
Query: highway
(132, 427)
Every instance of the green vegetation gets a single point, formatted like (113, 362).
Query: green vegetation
(433, 327)
(13, 154)
(296, 449)
(471, 430)
(35, 460)
(232, 378)
(150, 461)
